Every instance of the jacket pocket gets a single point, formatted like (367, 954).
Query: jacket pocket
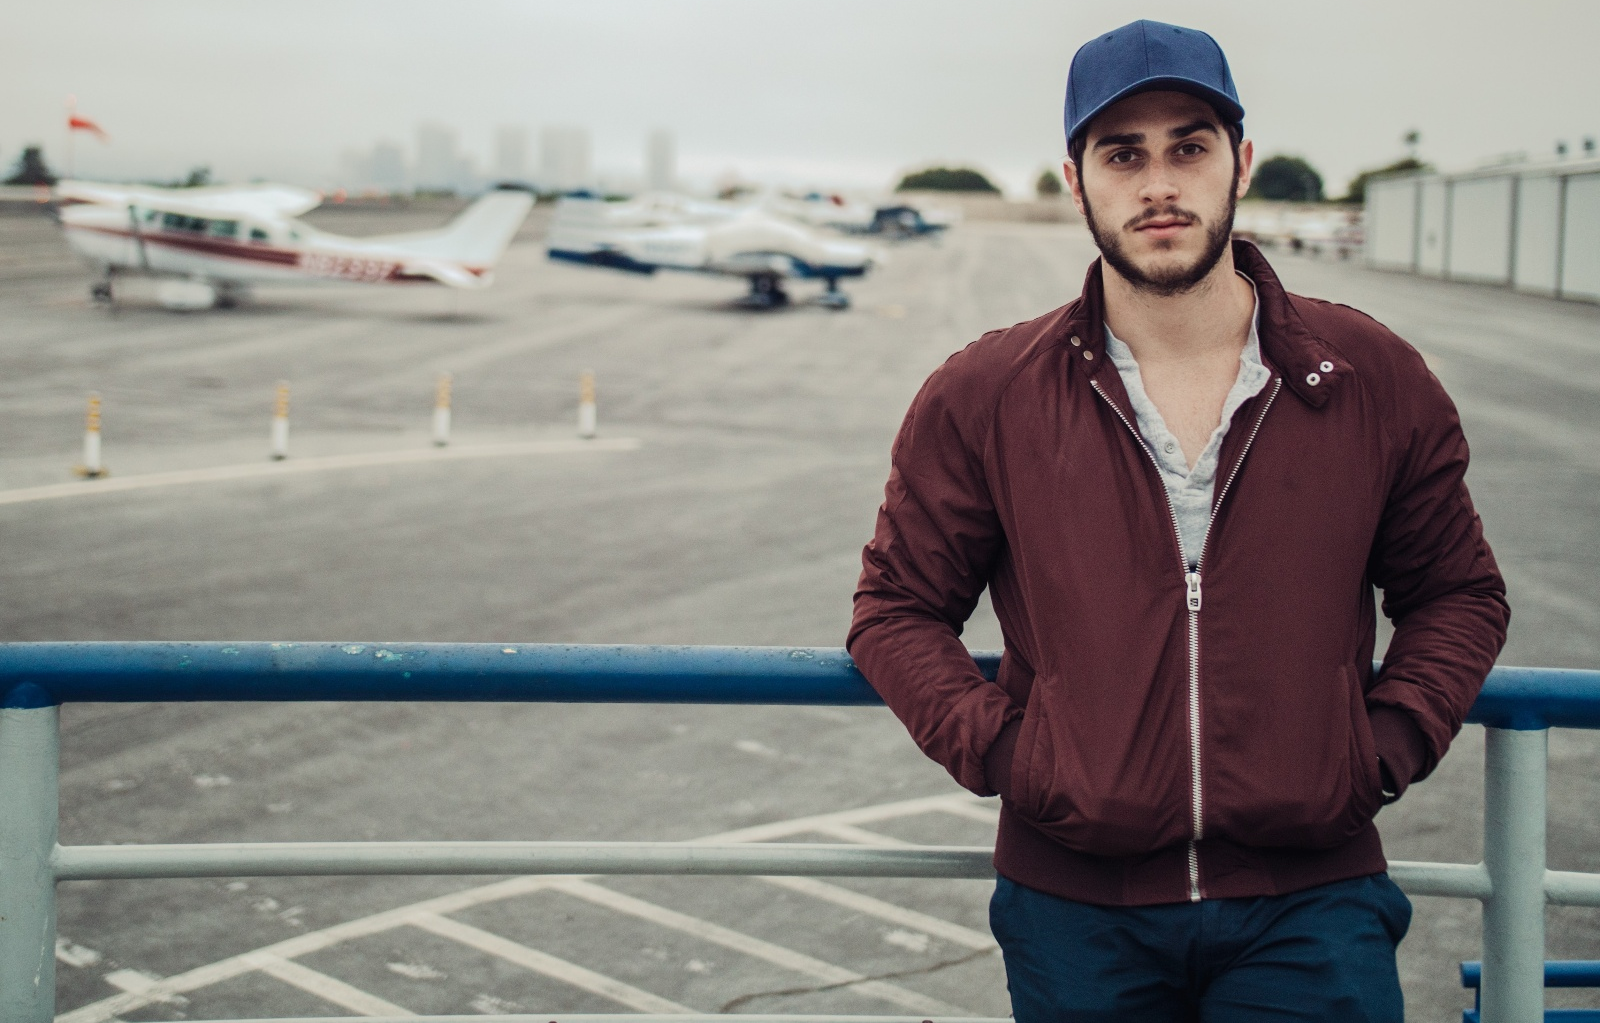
(1101, 783)
(1304, 776)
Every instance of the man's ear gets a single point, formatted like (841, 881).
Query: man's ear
(1069, 170)
(1247, 155)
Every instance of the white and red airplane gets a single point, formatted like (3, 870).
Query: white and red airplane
(211, 244)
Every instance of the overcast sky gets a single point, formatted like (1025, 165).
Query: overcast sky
(846, 93)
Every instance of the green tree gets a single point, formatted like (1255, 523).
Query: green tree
(31, 169)
(1049, 184)
(945, 179)
(1286, 178)
(1357, 190)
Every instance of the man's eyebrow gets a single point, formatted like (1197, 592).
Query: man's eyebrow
(1112, 141)
(1192, 127)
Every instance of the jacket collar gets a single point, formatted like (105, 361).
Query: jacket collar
(1310, 368)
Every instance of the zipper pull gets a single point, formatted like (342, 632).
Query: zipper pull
(1192, 589)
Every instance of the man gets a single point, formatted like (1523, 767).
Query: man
(1180, 490)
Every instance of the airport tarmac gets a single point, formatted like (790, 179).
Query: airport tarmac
(747, 456)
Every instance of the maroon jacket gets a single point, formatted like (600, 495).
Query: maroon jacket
(1166, 736)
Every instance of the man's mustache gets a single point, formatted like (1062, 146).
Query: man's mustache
(1165, 213)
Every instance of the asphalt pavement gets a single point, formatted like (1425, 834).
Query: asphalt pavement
(762, 443)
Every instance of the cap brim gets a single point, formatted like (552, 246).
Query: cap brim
(1224, 104)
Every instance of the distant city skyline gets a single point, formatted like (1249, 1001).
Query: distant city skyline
(661, 161)
(566, 157)
(829, 93)
(561, 161)
(511, 153)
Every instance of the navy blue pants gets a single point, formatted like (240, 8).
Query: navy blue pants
(1325, 954)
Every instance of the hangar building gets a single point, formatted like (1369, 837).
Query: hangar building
(1532, 227)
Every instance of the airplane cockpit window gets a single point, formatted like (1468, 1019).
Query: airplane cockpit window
(258, 235)
(224, 228)
(150, 215)
(179, 222)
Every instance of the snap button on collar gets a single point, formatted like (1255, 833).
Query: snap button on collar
(1313, 379)
(1326, 367)
(1077, 342)
(1088, 355)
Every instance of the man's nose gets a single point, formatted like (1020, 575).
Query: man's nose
(1159, 185)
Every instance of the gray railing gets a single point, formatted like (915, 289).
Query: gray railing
(1517, 706)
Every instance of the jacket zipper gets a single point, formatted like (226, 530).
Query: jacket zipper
(1192, 601)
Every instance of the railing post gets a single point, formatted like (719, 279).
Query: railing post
(29, 764)
(1514, 779)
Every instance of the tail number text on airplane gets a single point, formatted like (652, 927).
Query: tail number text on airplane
(349, 268)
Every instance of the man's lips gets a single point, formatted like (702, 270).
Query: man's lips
(1163, 226)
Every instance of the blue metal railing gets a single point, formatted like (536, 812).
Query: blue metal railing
(1517, 706)
(1576, 973)
(41, 674)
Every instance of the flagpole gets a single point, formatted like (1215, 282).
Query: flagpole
(72, 113)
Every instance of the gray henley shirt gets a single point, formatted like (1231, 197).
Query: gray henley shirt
(1191, 490)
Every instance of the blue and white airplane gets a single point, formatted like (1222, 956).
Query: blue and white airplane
(891, 218)
(668, 232)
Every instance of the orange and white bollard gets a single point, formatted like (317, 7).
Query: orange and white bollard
(280, 423)
(587, 417)
(92, 467)
(441, 411)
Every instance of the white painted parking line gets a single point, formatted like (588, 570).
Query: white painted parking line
(886, 911)
(860, 836)
(159, 991)
(302, 944)
(860, 815)
(327, 988)
(73, 954)
(137, 982)
(972, 810)
(107, 1009)
(756, 948)
(548, 965)
(298, 467)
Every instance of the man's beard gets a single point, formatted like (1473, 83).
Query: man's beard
(1173, 280)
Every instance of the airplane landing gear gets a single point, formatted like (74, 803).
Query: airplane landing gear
(100, 292)
(231, 296)
(833, 298)
(766, 292)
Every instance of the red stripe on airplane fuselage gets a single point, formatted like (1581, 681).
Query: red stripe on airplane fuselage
(338, 267)
(205, 246)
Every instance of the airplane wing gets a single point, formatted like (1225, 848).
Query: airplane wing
(264, 200)
(445, 272)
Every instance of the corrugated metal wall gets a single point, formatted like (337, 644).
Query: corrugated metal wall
(1536, 229)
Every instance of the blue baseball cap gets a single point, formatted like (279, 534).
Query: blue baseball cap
(1143, 56)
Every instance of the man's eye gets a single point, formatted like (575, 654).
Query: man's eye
(1191, 149)
(1123, 156)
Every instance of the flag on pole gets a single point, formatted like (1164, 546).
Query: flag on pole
(79, 123)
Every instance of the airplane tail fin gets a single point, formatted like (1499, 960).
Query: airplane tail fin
(463, 252)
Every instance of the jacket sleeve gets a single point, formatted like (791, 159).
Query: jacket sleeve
(929, 560)
(1441, 586)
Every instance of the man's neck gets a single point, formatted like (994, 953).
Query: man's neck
(1209, 319)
